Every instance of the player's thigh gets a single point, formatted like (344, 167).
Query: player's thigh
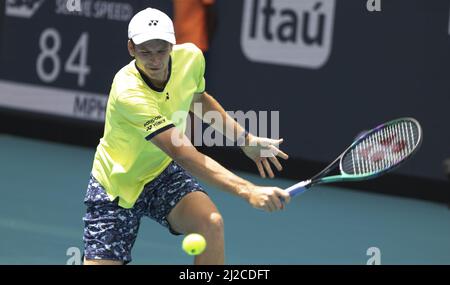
(192, 212)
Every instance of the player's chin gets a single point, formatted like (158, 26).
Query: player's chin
(153, 69)
(154, 72)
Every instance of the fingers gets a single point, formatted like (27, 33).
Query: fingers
(269, 199)
(268, 168)
(275, 162)
(277, 199)
(277, 152)
(276, 202)
(271, 205)
(282, 155)
(283, 195)
(264, 164)
(260, 169)
(274, 142)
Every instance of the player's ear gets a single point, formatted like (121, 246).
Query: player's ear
(131, 47)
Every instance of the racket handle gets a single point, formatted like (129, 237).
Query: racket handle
(298, 188)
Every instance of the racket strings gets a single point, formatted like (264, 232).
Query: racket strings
(382, 149)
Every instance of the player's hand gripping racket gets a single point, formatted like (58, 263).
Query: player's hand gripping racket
(372, 154)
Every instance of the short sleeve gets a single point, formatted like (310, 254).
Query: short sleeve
(201, 73)
(143, 115)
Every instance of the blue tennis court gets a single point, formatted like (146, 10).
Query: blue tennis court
(41, 209)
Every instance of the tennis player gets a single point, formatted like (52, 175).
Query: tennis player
(145, 165)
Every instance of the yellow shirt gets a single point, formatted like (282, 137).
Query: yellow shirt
(126, 159)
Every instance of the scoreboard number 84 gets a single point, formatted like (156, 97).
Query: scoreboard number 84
(76, 63)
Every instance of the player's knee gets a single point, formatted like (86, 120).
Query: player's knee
(213, 224)
(216, 220)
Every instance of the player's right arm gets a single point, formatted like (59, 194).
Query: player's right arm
(180, 149)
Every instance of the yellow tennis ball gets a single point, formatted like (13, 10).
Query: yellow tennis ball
(194, 244)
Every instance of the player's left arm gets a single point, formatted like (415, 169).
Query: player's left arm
(260, 150)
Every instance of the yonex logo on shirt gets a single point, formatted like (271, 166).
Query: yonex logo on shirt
(153, 22)
(154, 122)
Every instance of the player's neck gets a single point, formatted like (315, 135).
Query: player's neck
(160, 82)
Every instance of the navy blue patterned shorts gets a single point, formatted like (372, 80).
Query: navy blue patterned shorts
(110, 230)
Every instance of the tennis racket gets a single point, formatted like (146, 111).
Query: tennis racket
(372, 154)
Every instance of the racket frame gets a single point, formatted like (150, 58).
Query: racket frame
(320, 177)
